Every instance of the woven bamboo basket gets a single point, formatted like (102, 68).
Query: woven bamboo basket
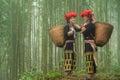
(57, 35)
(103, 32)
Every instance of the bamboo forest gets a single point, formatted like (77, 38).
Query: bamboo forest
(27, 51)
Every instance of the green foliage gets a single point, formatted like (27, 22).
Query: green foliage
(38, 76)
(78, 72)
(115, 68)
(30, 76)
(51, 74)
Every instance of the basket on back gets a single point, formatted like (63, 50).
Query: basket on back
(103, 32)
(57, 35)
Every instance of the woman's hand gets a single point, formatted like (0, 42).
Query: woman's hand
(85, 24)
(70, 33)
(71, 29)
(83, 29)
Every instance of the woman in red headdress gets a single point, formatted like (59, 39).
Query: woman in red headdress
(69, 47)
(88, 31)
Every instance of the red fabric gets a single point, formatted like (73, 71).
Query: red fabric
(88, 13)
(83, 27)
(69, 15)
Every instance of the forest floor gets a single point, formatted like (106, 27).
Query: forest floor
(82, 77)
(79, 75)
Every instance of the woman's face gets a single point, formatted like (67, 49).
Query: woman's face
(86, 18)
(72, 20)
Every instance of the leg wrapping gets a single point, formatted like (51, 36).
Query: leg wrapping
(90, 62)
(70, 60)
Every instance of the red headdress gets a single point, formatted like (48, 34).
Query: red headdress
(69, 15)
(88, 13)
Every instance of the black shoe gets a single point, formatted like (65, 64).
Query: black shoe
(69, 73)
